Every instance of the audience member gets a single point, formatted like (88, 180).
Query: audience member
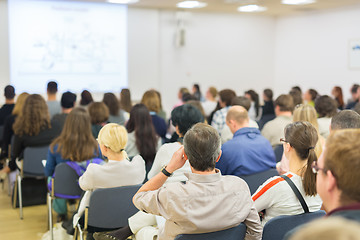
(326, 108)
(198, 105)
(338, 96)
(125, 100)
(212, 195)
(248, 152)
(197, 93)
(142, 137)
(226, 134)
(254, 111)
(297, 88)
(86, 98)
(275, 196)
(268, 107)
(297, 97)
(161, 113)
(7, 108)
(274, 129)
(32, 128)
(355, 92)
(337, 173)
(303, 112)
(151, 100)
(53, 105)
(219, 118)
(210, 101)
(99, 115)
(345, 119)
(117, 115)
(183, 118)
(357, 108)
(76, 144)
(8, 131)
(310, 96)
(118, 171)
(181, 93)
(68, 100)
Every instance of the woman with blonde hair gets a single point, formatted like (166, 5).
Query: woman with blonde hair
(303, 112)
(118, 171)
(32, 127)
(8, 131)
(151, 100)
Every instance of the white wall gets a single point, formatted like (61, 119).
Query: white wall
(312, 50)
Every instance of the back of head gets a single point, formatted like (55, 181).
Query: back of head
(151, 100)
(34, 116)
(226, 96)
(345, 119)
(197, 104)
(313, 93)
(241, 101)
(238, 114)
(285, 103)
(213, 91)
(302, 136)
(186, 97)
(305, 112)
(86, 98)
(342, 159)
(202, 146)
(197, 87)
(268, 93)
(76, 141)
(114, 137)
(296, 95)
(20, 101)
(99, 112)
(354, 88)
(297, 88)
(325, 106)
(185, 116)
(52, 87)
(9, 92)
(68, 100)
(125, 99)
(112, 103)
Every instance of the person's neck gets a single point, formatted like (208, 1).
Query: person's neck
(115, 156)
(51, 97)
(285, 114)
(296, 165)
(66, 110)
(9, 101)
(238, 127)
(203, 172)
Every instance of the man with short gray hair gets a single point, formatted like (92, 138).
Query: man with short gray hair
(207, 202)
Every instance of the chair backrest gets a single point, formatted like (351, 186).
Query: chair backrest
(1, 132)
(255, 180)
(278, 150)
(32, 162)
(277, 227)
(234, 233)
(66, 183)
(111, 207)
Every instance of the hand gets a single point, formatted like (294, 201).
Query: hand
(177, 161)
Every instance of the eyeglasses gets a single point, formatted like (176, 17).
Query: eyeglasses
(283, 140)
(315, 168)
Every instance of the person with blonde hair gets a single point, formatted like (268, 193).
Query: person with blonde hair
(303, 112)
(210, 103)
(118, 171)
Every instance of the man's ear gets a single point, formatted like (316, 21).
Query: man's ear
(218, 158)
(331, 181)
(185, 156)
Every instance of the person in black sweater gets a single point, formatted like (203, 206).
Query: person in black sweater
(7, 108)
(32, 128)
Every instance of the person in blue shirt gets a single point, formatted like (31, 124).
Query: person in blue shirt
(248, 152)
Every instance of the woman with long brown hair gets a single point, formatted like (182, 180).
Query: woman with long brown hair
(116, 114)
(338, 96)
(275, 196)
(32, 127)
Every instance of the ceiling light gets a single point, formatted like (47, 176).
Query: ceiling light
(252, 8)
(297, 2)
(191, 4)
(123, 1)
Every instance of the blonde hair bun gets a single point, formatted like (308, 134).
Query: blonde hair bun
(113, 136)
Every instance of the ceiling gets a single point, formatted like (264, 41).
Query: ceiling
(275, 8)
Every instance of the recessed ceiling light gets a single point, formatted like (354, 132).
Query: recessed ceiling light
(252, 8)
(297, 2)
(123, 1)
(191, 4)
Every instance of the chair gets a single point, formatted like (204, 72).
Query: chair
(31, 167)
(277, 227)
(278, 150)
(255, 180)
(109, 208)
(64, 184)
(234, 233)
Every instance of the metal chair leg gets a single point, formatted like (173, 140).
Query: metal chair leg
(50, 216)
(20, 197)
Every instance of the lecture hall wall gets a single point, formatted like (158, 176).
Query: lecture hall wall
(231, 51)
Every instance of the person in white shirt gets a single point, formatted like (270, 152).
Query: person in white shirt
(275, 196)
(210, 104)
(117, 172)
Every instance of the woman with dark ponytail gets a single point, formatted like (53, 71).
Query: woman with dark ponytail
(275, 196)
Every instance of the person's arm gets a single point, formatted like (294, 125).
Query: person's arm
(86, 181)
(253, 225)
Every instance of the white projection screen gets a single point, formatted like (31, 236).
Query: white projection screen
(81, 45)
